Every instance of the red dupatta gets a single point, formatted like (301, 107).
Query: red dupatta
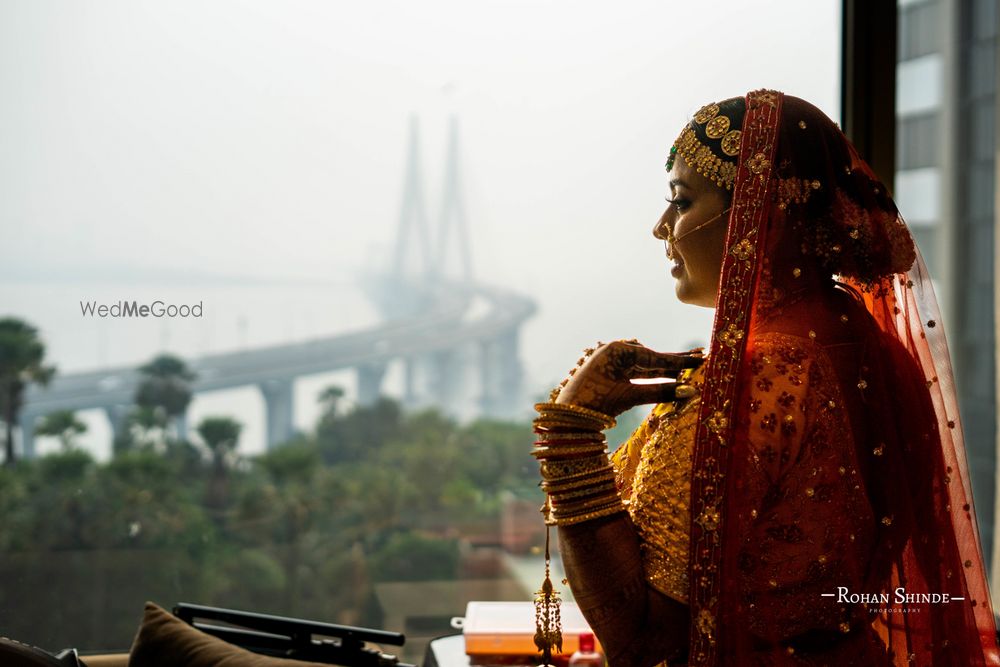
(805, 207)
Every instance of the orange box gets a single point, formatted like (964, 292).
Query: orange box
(503, 633)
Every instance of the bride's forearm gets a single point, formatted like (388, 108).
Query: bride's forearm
(637, 625)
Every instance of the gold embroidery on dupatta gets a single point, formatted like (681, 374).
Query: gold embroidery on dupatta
(731, 323)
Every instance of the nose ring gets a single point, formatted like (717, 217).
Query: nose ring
(670, 241)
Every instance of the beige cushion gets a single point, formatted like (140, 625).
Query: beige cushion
(166, 641)
(105, 660)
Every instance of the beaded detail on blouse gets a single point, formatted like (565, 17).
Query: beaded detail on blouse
(653, 470)
(806, 501)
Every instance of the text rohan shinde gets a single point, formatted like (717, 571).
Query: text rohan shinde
(899, 596)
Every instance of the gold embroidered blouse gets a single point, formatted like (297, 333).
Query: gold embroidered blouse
(653, 469)
(805, 497)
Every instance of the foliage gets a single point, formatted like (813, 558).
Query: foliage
(358, 434)
(165, 388)
(21, 356)
(373, 494)
(408, 556)
(61, 424)
(220, 434)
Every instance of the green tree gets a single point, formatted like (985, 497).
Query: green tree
(61, 424)
(356, 435)
(409, 556)
(21, 356)
(165, 387)
(145, 428)
(330, 399)
(220, 435)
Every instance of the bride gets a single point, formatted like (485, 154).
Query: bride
(798, 495)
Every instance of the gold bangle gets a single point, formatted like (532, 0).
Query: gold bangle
(585, 479)
(557, 485)
(550, 476)
(583, 422)
(563, 468)
(578, 507)
(564, 421)
(575, 424)
(610, 509)
(582, 436)
(602, 487)
(573, 508)
(568, 450)
(594, 415)
(570, 407)
(586, 503)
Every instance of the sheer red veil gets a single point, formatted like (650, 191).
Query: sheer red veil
(817, 251)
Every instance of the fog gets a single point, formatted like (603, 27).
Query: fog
(251, 155)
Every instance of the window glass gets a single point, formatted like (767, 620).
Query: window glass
(367, 238)
(945, 188)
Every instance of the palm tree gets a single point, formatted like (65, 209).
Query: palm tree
(144, 428)
(61, 424)
(220, 435)
(21, 355)
(165, 387)
(330, 399)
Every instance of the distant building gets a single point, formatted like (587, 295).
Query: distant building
(946, 187)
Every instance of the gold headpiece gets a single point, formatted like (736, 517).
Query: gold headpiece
(702, 157)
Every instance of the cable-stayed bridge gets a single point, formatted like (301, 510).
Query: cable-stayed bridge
(432, 323)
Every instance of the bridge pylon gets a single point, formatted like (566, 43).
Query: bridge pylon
(452, 221)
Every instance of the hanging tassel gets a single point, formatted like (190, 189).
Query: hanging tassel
(548, 625)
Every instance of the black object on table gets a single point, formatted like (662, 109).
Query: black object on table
(295, 638)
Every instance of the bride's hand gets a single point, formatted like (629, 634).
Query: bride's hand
(602, 383)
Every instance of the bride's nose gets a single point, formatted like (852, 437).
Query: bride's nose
(661, 229)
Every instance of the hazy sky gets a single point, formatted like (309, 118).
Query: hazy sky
(184, 146)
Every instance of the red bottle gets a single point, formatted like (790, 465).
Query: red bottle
(586, 656)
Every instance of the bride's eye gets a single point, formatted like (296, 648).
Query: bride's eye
(678, 203)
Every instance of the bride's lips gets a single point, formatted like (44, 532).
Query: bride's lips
(677, 269)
